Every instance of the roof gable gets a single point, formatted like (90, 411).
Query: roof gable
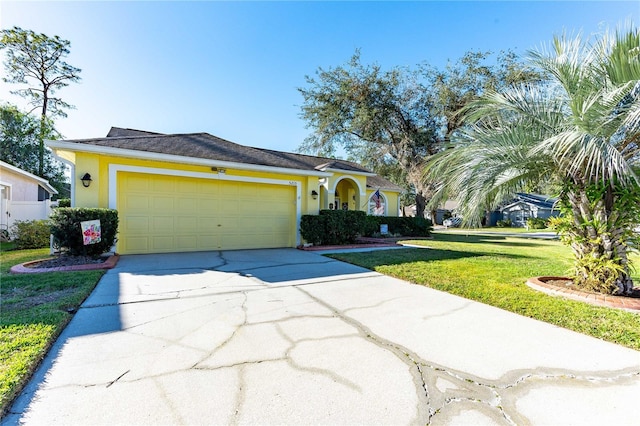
(40, 181)
(535, 200)
(378, 182)
(119, 132)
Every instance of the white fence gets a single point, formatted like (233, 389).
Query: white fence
(27, 210)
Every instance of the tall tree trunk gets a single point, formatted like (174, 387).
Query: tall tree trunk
(421, 203)
(43, 123)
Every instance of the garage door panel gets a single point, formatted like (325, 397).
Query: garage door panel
(162, 224)
(162, 184)
(247, 190)
(187, 187)
(229, 224)
(229, 189)
(136, 203)
(207, 225)
(208, 204)
(249, 206)
(187, 224)
(136, 245)
(170, 213)
(229, 206)
(208, 241)
(136, 224)
(137, 183)
(187, 204)
(278, 210)
(205, 188)
(162, 204)
(187, 242)
(163, 243)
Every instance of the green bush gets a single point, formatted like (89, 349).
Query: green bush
(332, 227)
(312, 228)
(343, 226)
(335, 227)
(403, 226)
(31, 234)
(536, 223)
(64, 202)
(66, 230)
(504, 223)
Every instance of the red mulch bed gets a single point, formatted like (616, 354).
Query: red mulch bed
(562, 286)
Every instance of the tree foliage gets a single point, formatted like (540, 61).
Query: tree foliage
(465, 80)
(378, 117)
(37, 60)
(393, 121)
(580, 128)
(19, 145)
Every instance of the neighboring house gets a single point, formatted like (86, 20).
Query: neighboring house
(525, 206)
(444, 211)
(191, 192)
(23, 196)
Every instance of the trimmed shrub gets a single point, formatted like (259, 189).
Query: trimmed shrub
(332, 227)
(403, 226)
(312, 228)
(536, 223)
(336, 227)
(64, 202)
(31, 234)
(67, 232)
(343, 226)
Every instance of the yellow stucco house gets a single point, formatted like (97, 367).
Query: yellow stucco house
(193, 192)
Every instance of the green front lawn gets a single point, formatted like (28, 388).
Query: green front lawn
(493, 270)
(35, 309)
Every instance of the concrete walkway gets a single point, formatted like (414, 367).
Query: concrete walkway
(291, 337)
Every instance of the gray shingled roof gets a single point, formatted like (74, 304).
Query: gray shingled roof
(119, 131)
(378, 182)
(206, 146)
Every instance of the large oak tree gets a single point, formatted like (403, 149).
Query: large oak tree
(393, 121)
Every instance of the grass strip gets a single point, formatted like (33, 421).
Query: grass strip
(33, 312)
(493, 270)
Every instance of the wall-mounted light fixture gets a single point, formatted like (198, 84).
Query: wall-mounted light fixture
(314, 194)
(86, 180)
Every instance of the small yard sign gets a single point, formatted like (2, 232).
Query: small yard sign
(90, 231)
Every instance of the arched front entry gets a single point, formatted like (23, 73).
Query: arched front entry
(344, 195)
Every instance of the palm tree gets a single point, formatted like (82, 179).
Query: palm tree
(580, 127)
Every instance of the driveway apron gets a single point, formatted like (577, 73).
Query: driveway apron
(290, 337)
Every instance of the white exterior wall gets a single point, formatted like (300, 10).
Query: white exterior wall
(19, 198)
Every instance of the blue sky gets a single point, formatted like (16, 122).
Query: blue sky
(232, 69)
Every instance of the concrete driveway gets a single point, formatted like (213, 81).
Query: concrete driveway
(291, 337)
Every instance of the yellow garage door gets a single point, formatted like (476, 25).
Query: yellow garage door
(162, 214)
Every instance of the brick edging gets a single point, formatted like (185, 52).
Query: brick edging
(619, 302)
(23, 269)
